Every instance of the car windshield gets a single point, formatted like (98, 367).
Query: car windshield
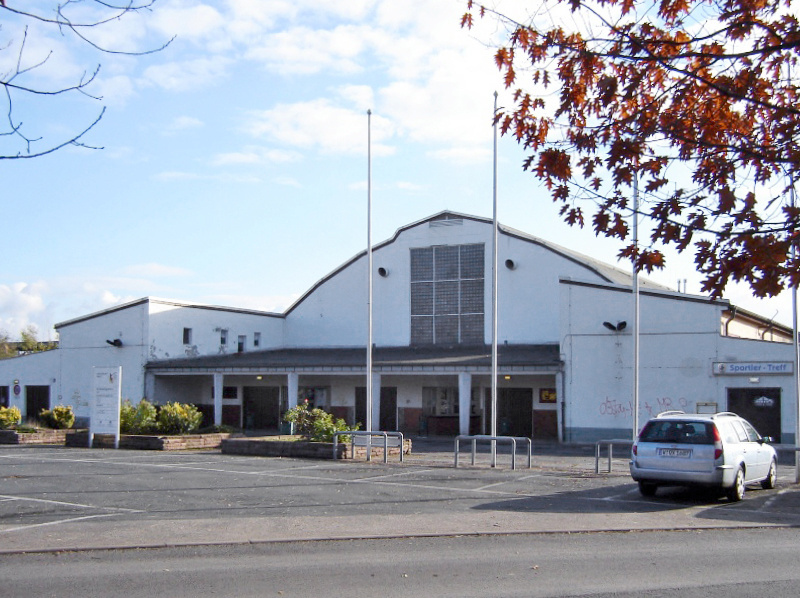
(678, 432)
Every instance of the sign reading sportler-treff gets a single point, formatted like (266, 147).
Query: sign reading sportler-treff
(752, 368)
(106, 396)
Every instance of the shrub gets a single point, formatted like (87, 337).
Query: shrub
(178, 418)
(9, 416)
(60, 417)
(137, 420)
(316, 424)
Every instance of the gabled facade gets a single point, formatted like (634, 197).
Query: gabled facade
(565, 356)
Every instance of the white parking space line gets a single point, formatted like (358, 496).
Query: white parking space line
(67, 504)
(289, 474)
(390, 475)
(50, 523)
(492, 486)
(623, 496)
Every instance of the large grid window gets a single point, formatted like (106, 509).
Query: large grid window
(447, 295)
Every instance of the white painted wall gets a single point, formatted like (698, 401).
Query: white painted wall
(679, 342)
(149, 329)
(36, 369)
(334, 313)
(168, 319)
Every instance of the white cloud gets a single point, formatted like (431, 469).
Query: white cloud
(153, 270)
(256, 155)
(322, 125)
(360, 96)
(115, 90)
(189, 75)
(175, 176)
(305, 51)
(187, 20)
(183, 123)
(21, 304)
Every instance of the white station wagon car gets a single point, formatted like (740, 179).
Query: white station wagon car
(719, 451)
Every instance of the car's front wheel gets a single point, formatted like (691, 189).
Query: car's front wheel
(768, 483)
(736, 492)
(647, 488)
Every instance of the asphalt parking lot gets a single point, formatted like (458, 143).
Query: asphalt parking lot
(56, 498)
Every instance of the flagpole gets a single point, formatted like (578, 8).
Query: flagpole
(369, 278)
(796, 341)
(635, 305)
(494, 288)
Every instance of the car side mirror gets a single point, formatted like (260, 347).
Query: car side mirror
(766, 439)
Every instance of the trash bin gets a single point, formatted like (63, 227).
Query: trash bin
(287, 428)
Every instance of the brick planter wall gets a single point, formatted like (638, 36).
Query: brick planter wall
(41, 437)
(265, 447)
(149, 443)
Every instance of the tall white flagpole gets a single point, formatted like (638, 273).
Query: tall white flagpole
(494, 287)
(635, 306)
(796, 341)
(369, 276)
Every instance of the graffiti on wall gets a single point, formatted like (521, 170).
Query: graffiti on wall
(614, 408)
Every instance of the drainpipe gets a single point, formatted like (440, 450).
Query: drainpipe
(732, 310)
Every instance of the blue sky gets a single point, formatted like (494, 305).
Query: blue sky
(234, 162)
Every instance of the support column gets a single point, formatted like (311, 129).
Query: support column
(561, 406)
(464, 401)
(218, 399)
(292, 386)
(376, 401)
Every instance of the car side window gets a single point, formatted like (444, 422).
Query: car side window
(752, 434)
(740, 431)
(727, 432)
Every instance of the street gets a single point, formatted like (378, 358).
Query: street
(134, 523)
(729, 563)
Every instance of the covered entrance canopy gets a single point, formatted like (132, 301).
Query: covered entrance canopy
(413, 383)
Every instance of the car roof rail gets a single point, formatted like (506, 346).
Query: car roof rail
(673, 412)
(726, 414)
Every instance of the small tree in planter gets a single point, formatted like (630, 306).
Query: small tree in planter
(315, 424)
(60, 417)
(178, 418)
(9, 417)
(137, 420)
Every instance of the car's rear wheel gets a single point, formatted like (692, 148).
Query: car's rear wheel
(736, 492)
(768, 483)
(647, 488)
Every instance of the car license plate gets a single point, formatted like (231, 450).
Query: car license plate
(675, 452)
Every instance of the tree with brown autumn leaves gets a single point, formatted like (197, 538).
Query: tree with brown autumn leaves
(692, 102)
(22, 80)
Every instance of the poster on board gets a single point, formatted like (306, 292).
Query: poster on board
(106, 397)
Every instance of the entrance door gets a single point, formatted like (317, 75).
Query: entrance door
(388, 410)
(36, 399)
(261, 407)
(514, 412)
(760, 406)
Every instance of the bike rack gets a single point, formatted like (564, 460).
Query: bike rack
(368, 443)
(610, 443)
(484, 438)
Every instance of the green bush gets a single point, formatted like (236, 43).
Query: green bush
(137, 420)
(178, 418)
(60, 417)
(316, 424)
(9, 416)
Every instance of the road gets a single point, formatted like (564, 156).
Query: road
(139, 523)
(729, 563)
